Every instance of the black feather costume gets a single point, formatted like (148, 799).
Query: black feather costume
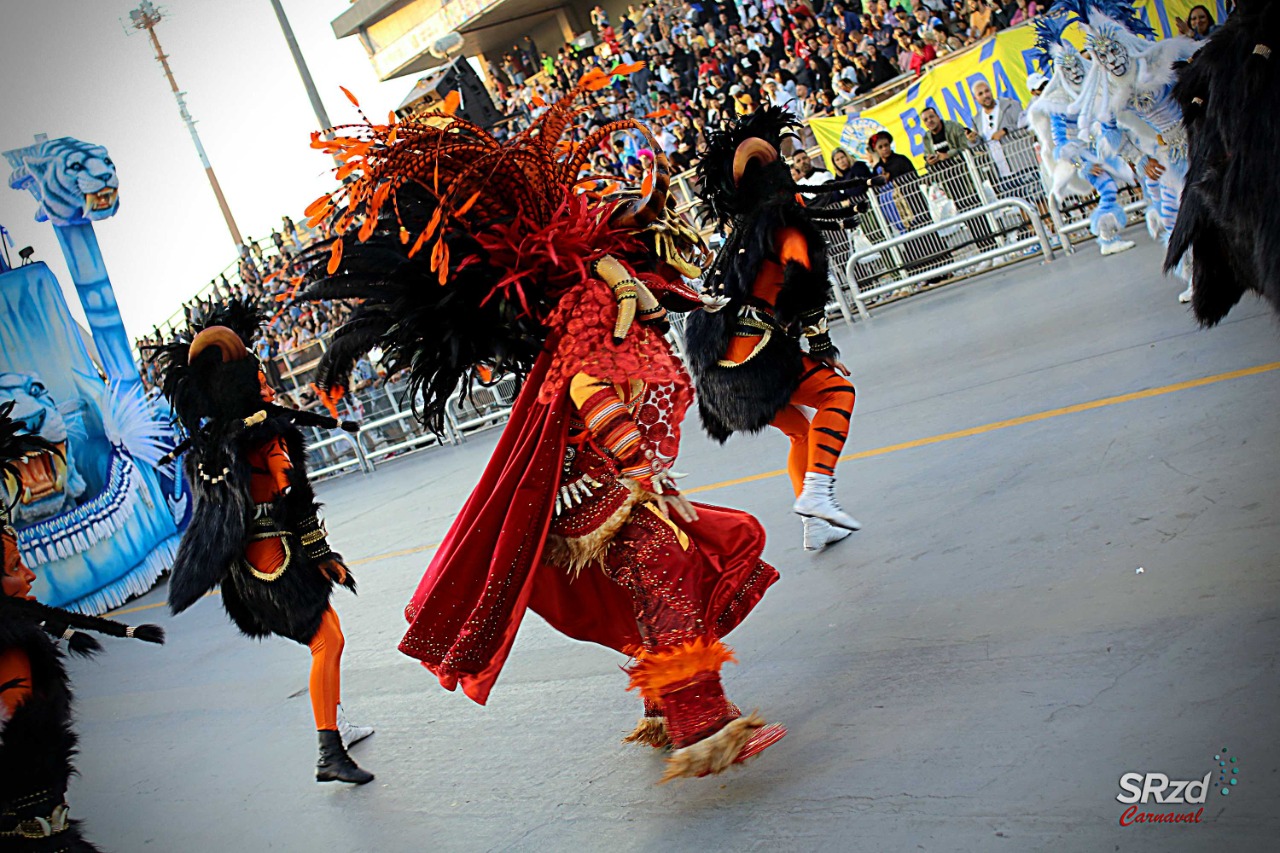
(1229, 218)
(401, 306)
(37, 742)
(219, 403)
(755, 205)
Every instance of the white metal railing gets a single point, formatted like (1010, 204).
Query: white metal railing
(1039, 238)
(393, 430)
(412, 438)
(340, 462)
(481, 407)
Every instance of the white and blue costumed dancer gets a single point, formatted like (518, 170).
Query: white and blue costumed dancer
(1075, 166)
(1136, 96)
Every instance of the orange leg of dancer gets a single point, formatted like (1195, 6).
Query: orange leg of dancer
(15, 666)
(326, 672)
(816, 444)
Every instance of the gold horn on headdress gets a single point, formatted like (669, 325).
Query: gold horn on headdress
(220, 338)
(753, 150)
(630, 293)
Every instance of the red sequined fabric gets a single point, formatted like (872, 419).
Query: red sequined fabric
(696, 709)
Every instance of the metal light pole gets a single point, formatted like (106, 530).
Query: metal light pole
(145, 17)
(316, 104)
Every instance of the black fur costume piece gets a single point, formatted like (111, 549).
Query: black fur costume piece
(212, 399)
(212, 549)
(403, 309)
(746, 398)
(1229, 218)
(37, 742)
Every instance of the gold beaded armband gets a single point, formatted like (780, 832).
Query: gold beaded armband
(314, 539)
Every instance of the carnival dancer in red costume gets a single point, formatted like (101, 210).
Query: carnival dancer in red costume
(254, 529)
(771, 277)
(475, 258)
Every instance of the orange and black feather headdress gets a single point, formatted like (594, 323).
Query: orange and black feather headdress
(458, 246)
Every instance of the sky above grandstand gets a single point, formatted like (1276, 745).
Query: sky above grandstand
(68, 69)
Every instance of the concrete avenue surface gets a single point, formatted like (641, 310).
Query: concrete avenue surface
(1035, 607)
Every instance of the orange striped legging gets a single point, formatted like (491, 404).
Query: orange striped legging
(816, 444)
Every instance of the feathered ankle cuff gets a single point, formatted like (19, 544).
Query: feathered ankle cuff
(662, 671)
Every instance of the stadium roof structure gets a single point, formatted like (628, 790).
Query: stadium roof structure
(400, 35)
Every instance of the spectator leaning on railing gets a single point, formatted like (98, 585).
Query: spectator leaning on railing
(944, 142)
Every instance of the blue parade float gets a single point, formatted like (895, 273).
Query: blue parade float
(101, 522)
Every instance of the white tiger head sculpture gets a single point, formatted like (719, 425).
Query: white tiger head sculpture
(73, 181)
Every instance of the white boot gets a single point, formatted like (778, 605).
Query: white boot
(1112, 247)
(818, 534)
(351, 734)
(818, 500)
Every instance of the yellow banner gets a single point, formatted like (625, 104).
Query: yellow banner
(1003, 62)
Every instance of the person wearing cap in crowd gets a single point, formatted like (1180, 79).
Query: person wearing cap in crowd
(1036, 83)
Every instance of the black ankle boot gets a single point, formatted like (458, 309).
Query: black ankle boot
(335, 765)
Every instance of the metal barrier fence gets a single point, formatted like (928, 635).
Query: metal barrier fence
(979, 209)
(389, 428)
(1013, 246)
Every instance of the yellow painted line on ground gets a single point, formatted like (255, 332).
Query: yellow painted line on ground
(152, 606)
(906, 445)
(417, 549)
(1012, 422)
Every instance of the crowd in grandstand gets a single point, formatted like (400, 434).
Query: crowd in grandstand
(259, 275)
(705, 62)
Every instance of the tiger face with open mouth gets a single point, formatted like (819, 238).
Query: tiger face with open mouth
(51, 481)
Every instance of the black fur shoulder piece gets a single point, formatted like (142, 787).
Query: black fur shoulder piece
(37, 744)
(212, 549)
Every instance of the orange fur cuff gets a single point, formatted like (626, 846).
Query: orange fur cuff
(655, 673)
